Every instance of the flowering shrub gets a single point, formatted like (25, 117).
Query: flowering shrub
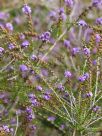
(50, 69)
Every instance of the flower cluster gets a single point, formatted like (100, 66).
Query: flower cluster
(50, 66)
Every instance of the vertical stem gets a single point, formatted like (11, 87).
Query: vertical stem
(17, 125)
(74, 132)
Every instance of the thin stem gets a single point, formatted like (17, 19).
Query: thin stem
(74, 132)
(94, 122)
(16, 127)
(4, 68)
(73, 64)
(97, 78)
(52, 47)
(84, 66)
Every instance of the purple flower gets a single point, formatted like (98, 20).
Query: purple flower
(99, 21)
(83, 77)
(94, 51)
(13, 121)
(11, 46)
(1, 25)
(33, 100)
(1, 50)
(61, 10)
(86, 51)
(97, 38)
(96, 2)
(31, 96)
(51, 118)
(17, 20)
(45, 37)
(39, 88)
(67, 74)
(75, 50)
(96, 108)
(63, 16)
(82, 23)
(25, 44)
(26, 9)
(33, 127)
(89, 94)
(44, 72)
(67, 43)
(6, 128)
(30, 114)
(52, 15)
(61, 87)
(62, 126)
(33, 57)
(86, 75)
(94, 62)
(23, 68)
(4, 15)
(47, 96)
(22, 36)
(9, 26)
(18, 112)
(11, 130)
(29, 110)
(69, 3)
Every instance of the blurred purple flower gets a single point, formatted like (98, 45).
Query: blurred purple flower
(9, 26)
(39, 88)
(25, 44)
(52, 15)
(82, 23)
(69, 3)
(11, 46)
(45, 37)
(29, 110)
(60, 87)
(44, 72)
(32, 127)
(83, 77)
(33, 57)
(23, 68)
(89, 94)
(61, 10)
(62, 126)
(6, 128)
(67, 43)
(99, 21)
(51, 118)
(22, 36)
(97, 38)
(30, 114)
(1, 50)
(86, 51)
(47, 96)
(67, 74)
(17, 20)
(96, 108)
(31, 96)
(96, 2)
(94, 62)
(26, 9)
(4, 15)
(63, 16)
(75, 50)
